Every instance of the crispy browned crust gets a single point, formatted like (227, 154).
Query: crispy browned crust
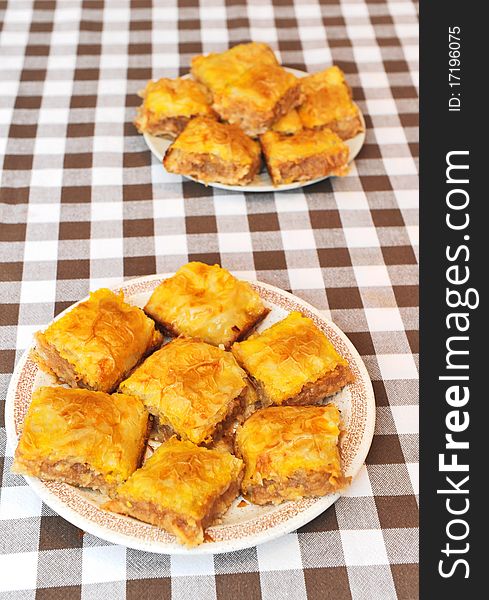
(209, 168)
(311, 393)
(188, 531)
(302, 484)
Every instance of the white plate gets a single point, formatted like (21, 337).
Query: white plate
(262, 182)
(241, 527)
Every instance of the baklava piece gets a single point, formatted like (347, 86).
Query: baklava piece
(97, 343)
(216, 70)
(196, 389)
(84, 438)
(181, 488)
(306, 155)
(328, 103)
(258, 98)
(293, 362)
(169, 104)
(206, 302)
(290, 452)
(214, 152)
(289, 123)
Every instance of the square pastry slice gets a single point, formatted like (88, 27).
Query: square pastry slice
(169, 104)
(88, 439)
(289, 123)
(293, 362)
(290, 452)
(97, 342)
(192, 387)
(305, 155)
(181, 488)
(214, 152)
(258, 98)
(328, 103)
(206, 302)
(216, 70)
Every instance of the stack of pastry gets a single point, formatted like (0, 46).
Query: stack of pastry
(241, 104)
(225, 409)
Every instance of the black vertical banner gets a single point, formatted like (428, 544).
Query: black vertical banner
(454, 246)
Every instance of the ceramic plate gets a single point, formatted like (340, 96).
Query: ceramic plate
(242, 526)
(262, 182)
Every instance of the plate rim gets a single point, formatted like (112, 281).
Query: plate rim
(318, 505)
(148, 139)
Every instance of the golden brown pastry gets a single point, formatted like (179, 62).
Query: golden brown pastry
(214, 152)
(259, 97)
(216, 70)
(289, 123)
(305, 155)
(328, 103)
(293, 362)
(84, 438)
(206, 302)
(181, 488)
(192, 387)
(290, 452)
(169, 104)
(97, 342)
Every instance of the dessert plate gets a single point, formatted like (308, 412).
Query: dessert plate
(262, 182)
(244, 525)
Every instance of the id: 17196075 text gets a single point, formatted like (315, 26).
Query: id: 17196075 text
(454, 69)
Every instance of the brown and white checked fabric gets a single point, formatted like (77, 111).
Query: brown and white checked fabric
(84, 204)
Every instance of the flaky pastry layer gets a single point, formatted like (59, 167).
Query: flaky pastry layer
(290, 453)
(97, 343)
(206, 302)
(261, 96)
(84, 438)
(190, 386)
(305, 155)
(214, 152)
(289, 358)
(216, 70)
(182, 488)
(169, 104)
(328, 103)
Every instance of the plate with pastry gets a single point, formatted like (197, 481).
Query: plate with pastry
(189, 413)
(241, 121)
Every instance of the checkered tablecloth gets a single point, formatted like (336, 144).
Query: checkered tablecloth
(84, 204)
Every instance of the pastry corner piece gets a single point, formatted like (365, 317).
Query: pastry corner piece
(195, 389)
(206, 302)
(181, 488)
(84, 438)
(214, 152)
(216, 70)
(169, 104)
(293, 363)
(259, 97)
(308, 154)
(290, 452)
(97, 342)
(328, 103)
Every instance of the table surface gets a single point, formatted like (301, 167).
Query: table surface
(84, 204)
